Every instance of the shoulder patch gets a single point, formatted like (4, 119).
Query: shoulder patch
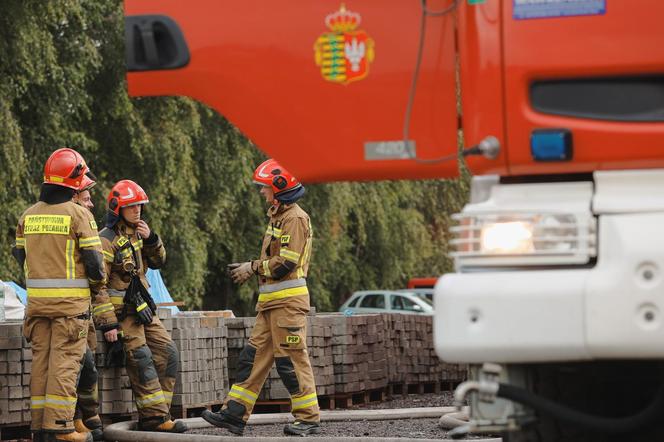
(285, 239)
(93, 224)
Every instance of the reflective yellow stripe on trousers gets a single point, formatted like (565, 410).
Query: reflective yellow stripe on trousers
(243, 394)
(304, 401)
(60, 402)
(150, 399)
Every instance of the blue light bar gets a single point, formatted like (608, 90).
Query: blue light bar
(551, 144)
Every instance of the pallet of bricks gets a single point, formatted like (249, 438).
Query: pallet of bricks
(202, 382)
(414, 366)
(359, 359)
(15, 367)
(319, 336)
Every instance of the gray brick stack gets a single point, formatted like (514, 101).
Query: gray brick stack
(15, 365)
(410, 350)
(201, 338)
(359, 356)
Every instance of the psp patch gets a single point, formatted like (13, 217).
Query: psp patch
(292, 339)
(93, 225)
(529, 9)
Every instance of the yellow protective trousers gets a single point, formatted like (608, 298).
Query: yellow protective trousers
(280, 337)
(152, 366)
(58, 345)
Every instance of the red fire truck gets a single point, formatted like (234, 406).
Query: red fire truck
(557, 302)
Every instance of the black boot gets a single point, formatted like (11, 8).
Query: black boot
(302, 428)
(223, 420)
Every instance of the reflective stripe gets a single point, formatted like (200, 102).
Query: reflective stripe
(60, 402)
(168, 395)
(289, 255)
(88, 396)
(266, 268)
(124, 253)
(117, 300)
(89, 242)
(269, 288)
(37, 402)
(108, 256)
(57, 283)
(295, 291)
(114, 292)
(58, 293)
(138, 244)
(150, 399)
(243, 394)
(103, 308)
(273, 231)
(69, 252)
(304, 401)
(141, 307)
(20, 242)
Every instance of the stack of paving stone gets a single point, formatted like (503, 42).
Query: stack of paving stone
(201, 338)
(359, 356)
(410, 349)
(15, 367)
(114, 388)
(319, 344)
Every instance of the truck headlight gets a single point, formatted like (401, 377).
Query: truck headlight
(529, 239)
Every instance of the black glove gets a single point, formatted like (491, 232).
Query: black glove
(143, 314)
(138, 296)
(116, 356)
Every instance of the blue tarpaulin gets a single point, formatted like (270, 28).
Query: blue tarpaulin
(158, 290)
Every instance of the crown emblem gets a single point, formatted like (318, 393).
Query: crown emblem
(344, 54)
(343, 20)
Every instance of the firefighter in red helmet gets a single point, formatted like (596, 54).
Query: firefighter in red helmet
(86, 416)
(127, 312)
(58, 246)
(280, 333)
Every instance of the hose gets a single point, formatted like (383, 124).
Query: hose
(587, 421)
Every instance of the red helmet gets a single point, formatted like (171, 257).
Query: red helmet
(87, 183)
(65, 167)
(270, 173)
(126, 193)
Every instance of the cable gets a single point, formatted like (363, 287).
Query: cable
(413, 85)
(595, 423)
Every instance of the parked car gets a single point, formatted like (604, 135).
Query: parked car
(423, 293)
(386, 301)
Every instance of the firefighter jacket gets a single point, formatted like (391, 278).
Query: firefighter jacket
(61, 254)
(123, 246)
(284, 260)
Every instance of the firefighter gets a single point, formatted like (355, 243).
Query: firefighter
(86, 416)
(58, 246)
(279, 335)
(125, 311)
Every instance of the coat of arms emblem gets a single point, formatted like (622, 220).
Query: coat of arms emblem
(344, 54)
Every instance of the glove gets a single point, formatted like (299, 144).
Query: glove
(116, 356)
(241, 271)
(143, 314)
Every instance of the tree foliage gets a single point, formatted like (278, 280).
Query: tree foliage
(62, 69)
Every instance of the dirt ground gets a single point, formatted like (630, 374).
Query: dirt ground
(406, 428)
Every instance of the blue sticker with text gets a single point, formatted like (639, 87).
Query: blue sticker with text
(526, 9)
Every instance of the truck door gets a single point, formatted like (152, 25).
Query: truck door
(323, 86)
